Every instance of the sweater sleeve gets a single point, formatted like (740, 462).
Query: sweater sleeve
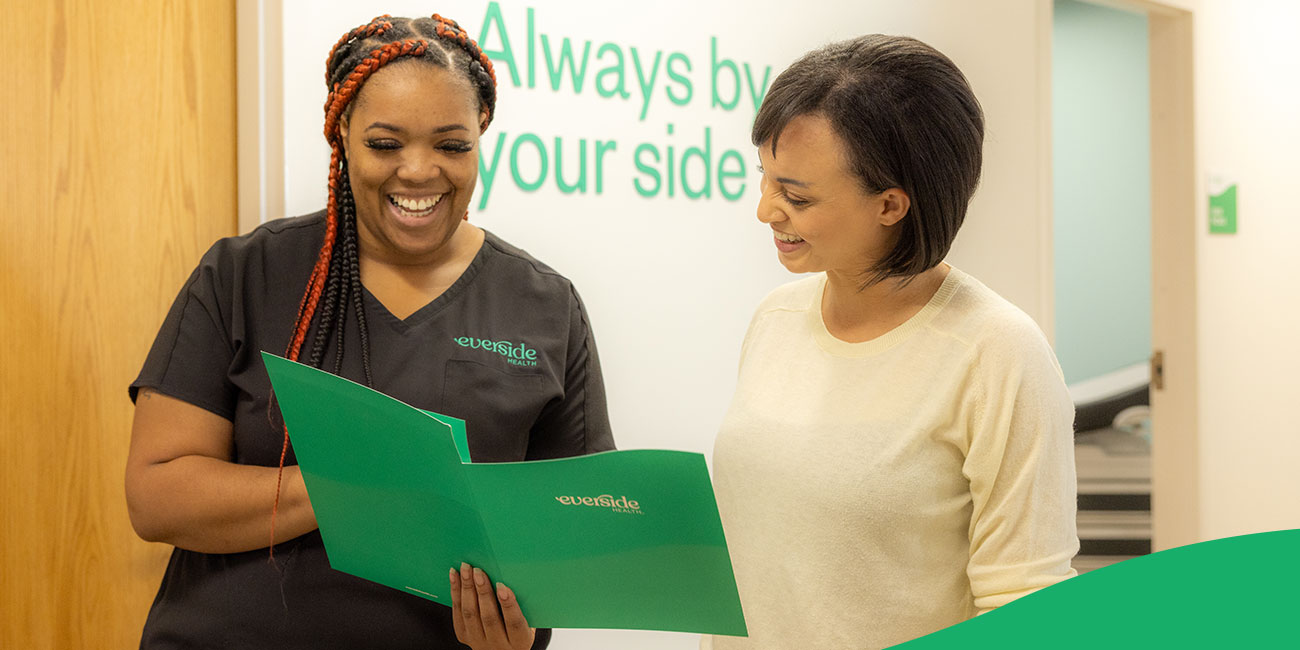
(1020, 466)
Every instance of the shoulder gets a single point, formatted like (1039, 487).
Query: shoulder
(783, 312)
(1000, 335)
(978, 315)
(796, 296)
(273, 251)
(279, 243)
(786, 306)
(277, 236)
(521, 271)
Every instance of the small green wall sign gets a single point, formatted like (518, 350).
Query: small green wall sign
(1223, 206)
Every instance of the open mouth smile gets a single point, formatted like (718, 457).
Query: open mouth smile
(415, 208)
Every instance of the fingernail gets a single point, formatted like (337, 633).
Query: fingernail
(503, 594)
(480, 578)
(453, 575)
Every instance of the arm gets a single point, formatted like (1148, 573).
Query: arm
(579, 423)
(183, 489)
(1020, 464)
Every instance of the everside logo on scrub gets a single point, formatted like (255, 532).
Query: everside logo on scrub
(621, 504)
(519, 355)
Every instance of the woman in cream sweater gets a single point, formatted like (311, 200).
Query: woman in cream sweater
(898, 456)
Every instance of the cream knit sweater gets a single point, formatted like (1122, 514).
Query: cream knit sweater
(875, 492)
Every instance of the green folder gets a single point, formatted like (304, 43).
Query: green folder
(619, 539)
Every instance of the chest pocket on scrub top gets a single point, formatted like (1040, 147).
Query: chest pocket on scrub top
(499, 407)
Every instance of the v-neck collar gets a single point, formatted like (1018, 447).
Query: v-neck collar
(433, 307)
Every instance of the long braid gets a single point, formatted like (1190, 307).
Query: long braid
(341, 296)
(346, 267)
(334, 285)
(352, 272)
(329, 303)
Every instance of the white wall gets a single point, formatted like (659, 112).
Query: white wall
(670, 283)
(1247, 103)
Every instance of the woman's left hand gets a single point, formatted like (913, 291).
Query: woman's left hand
(486, 618)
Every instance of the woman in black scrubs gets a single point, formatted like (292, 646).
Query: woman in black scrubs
(377, 287)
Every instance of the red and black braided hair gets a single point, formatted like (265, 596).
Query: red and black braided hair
(334, 286)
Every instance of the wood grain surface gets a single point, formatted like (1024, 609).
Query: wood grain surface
(118, 159)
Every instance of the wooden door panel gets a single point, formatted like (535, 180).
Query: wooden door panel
(118, 143)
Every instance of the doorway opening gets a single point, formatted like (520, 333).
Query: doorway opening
(1124, 267)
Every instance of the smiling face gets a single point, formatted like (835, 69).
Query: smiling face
(411, 143)
(821, 217)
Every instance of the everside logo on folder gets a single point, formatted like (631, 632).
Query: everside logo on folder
(621, 504)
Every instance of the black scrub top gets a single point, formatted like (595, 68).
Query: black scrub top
(507, 348)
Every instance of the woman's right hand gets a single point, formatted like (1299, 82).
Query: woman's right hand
(484, 618)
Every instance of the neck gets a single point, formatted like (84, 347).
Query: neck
(404, 286)
(460, 247)
(854, 314)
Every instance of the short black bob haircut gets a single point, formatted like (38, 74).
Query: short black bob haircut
(907, 118)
